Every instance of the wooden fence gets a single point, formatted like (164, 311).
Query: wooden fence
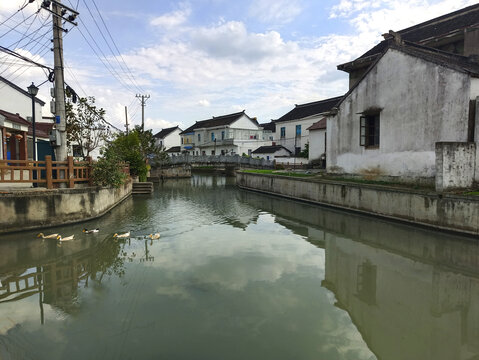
(48, 172)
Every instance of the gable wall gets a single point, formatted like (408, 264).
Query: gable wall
(422, 103)
(244, 123)
(14, 101)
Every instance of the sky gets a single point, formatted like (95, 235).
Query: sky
(202, 58)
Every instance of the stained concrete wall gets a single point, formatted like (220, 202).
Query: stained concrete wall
(317, 144)
(455, 165)
(421, 103)
(178, 171)
(28, 209)
(449, 212)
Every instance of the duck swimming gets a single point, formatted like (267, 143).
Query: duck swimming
(122, 236)
(91, 231)
(61, 239)
(51, 236)
(154, 236)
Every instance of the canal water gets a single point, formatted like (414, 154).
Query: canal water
(238, 275)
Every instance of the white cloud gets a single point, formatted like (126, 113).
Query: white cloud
(275, 11)
(204, 103)
(158, 124)
(172, 19)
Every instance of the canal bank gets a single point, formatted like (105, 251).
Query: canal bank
(38, 208)
(441, 211)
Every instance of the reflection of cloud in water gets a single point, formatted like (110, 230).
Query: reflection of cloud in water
(231, 258)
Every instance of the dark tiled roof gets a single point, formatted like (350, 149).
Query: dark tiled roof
(309, 109)
(320, 125)
(14, 118)
(217, 121)
(269, 126)
(442, 26)
(41, 129)
(174, 149)
(23, 91)
(165, 132)
(269, 149)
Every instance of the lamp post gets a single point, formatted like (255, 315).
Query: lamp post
(33, 91)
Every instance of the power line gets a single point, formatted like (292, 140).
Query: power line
(11, 16)
(108, 44)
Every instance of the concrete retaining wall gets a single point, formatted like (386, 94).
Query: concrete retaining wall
(455, 165)
(174, 171)
(449, 212)
(30, 209)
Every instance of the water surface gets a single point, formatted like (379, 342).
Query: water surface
(238, 275)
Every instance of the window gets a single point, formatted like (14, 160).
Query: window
(77, 151)
(298, 130)
(283, 132)
(199, 138)
(212, 136)
(369, 131)
(222, 135)
(181, 141)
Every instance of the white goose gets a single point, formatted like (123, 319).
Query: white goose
(62, 239)
(51, 236)
(122, 236)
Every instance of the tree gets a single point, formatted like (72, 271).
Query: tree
(85, 125)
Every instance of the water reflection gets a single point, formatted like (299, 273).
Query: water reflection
(239, 275)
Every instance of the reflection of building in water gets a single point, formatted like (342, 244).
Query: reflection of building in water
(56, 281)
(60, 282)
(405, 306)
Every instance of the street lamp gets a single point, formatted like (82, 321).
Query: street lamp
(33, 91)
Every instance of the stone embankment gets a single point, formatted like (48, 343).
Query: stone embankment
(441, 211)
(38, 208)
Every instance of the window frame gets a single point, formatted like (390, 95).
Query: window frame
(283, 132)
(370, 130)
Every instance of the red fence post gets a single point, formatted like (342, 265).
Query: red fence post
(71, 172)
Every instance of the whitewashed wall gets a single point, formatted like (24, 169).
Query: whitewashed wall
(422, 103)
(317, 143)
(272, 156)
(290, 140)
(13, 101)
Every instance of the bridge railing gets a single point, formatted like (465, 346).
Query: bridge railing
(227, 160)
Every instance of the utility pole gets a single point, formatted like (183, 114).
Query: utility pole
(143, 102)
(60, 113)
(126, 119)
(59, 13)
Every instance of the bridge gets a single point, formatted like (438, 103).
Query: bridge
(181, 165)
(235, 161)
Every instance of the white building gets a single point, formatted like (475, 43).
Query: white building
(17, 100)
(317, 140)
(272, 152)
(411, 98)
(292, 128)
(226, 135)
(168, 138)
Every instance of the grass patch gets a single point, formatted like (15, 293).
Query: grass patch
(278, 172)
(474, 193)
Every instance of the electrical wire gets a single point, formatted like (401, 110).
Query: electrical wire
(108, 44)
(11, 16)
(116, 47)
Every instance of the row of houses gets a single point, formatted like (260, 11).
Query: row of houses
(411, 98)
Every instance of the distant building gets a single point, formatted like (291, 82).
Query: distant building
(292, 128)
(317, 140)
(168, 138)
(174, 150)
(230, 134)
(271, 152)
